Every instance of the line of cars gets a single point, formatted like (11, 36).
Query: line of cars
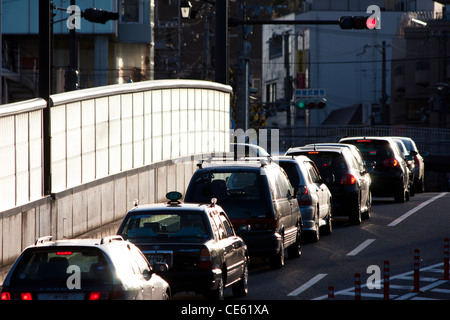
(233, 209)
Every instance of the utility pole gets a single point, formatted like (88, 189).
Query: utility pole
(45, 59)
(384, 96)
(242, 117)
(71, 81)
(221, 47)
(287, 80)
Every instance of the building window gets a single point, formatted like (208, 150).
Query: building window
(271, 92)
(275, 47)
(132, 11)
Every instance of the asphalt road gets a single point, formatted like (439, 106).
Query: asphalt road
(392, 233)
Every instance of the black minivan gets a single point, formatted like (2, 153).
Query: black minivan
(258, 199)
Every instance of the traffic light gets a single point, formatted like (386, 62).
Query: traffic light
(300, 104)
(311, 104)
(99, 15)
(358, 22)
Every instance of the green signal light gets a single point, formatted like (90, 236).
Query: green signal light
(301, 104)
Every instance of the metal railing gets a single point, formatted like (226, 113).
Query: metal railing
(436, 141)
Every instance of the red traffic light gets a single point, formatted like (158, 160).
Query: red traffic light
(359, 22)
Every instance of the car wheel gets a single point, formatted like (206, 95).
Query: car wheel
(314, 236)
(366, 214)
(400, 197)
(355, 214)
(328, 227)
(240, 289)
(217, 294)
(420, 185)
(277, 260)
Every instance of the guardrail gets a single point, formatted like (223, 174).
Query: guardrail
(434, 140)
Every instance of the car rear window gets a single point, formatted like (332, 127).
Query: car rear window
(225, 185)
(327, 162)
(293, 173)
(242, 194)
(50, 267)
(377, 150)
(165, 226)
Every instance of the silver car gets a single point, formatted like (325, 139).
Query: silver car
(313, 196)
(83, 269)
(419, 170)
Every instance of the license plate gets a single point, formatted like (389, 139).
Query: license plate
(61, 296)
(155, 257)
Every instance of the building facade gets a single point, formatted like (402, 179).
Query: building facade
(421, 71)
(352, 66)
(114, 52)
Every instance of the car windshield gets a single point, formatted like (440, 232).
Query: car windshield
(166, 226)
(410, 145)
(50, 267)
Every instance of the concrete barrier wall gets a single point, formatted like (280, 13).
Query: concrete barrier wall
(102, 131)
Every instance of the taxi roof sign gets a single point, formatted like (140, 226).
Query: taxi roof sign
(174, 196)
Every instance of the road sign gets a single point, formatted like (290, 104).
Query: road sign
(310, 93)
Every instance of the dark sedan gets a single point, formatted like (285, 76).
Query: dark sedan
(196, 241)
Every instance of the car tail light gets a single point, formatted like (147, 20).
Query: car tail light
(205, 261)
(390, 163)
(348, 179)
(267, 224)
(95, 295)
(304, 197)
(5, 296)
(26, 296)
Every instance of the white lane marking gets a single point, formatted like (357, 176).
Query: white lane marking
(361, 247)
(308, 284)
(412, 211)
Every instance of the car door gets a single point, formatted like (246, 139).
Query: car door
(236, 258)
(363, 181)
(319, 188)
(225, 245)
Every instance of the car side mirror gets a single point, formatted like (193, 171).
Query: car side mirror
(147, 274)
(330, 179)
(160, 268)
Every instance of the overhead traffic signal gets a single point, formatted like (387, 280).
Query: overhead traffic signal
(99, 15)
(358, 22)
(311, 104)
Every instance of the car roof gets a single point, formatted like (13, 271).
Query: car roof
(367, 138)
(102, 243)
(317, 148)
(292, 158)
(250, 163)
(173, 206)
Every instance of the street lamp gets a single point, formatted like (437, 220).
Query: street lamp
(185, 8)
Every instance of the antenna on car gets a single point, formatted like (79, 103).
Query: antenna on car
(41, 240)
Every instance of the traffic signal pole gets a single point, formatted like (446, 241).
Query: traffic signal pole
(45, 62)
